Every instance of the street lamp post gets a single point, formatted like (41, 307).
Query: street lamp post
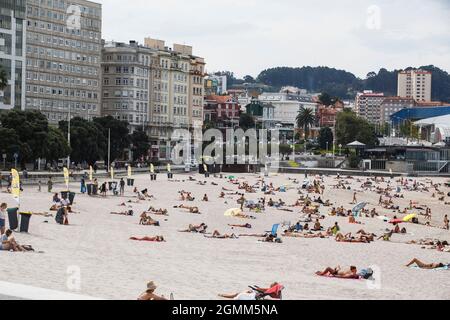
(68, 139)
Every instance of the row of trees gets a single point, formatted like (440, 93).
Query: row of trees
(29, 135)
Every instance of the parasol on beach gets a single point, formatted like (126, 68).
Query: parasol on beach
(409, 217)
(357, 209)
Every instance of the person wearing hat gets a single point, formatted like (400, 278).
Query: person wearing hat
(149, 294)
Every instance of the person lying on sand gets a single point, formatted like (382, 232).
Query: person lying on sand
(191, 209)
(159, 212)
(349, 238)
(290, 234)
(216, 235)
(351, 273)
(247, 225)
(423, 265)
(124, 213)
(271, 238)
(274, 292)
(8, 243)
(149, 239)
(196, 229)
(149, 294)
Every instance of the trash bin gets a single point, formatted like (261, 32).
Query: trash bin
(25, 221)
(71, 197)
(90, 188)
(94, 189)
(64, 194)
(170, 175)
(206, 174)
(153, 177)
(110, 185)
(130, 182)
(12, 218)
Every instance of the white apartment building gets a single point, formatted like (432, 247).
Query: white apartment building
(63, 58)
(391, 105)
(368, 106)
(12, 53)
(287, 107)
(415, 84)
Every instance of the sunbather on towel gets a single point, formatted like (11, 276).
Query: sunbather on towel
(247, 225)
(423, 265)
(216, 234)
(352, 273)
(149, 239)
(191, 209)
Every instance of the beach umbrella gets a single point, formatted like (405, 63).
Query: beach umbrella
(232, 212)
(360, 206)
(152, 168)
(15, 185)
(396, 221)
(66, 177)
(205, 167)
(112, 173)
(169, 168)
(129, 172)
(409, 217)
(90, 173)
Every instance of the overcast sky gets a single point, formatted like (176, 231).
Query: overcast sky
(248, 36)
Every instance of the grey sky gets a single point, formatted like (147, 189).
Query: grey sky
(248, 36)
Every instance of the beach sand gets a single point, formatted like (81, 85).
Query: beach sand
(193, 267)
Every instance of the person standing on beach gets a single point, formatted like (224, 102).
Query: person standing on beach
(39, 186)
(242, 201)
(354, 198)
(83, 186)
(446, 223)
(122, 187)
(49, 185)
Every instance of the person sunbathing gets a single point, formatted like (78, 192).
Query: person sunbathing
(423, 265)
(159, 212)
(386, 236)
(247, 225)
(124, 213)
(191, 209)
(149, 239)
(195, 229)
(351, 273)
(149, 294)
(146, 220)
(216, 235)
(290, 234)
(349, 238)
(271, 238)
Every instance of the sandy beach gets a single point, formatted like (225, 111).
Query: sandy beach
(194, 267)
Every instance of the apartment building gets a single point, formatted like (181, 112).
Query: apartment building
(368, 106)
(391, 105)
(126, 70)
(176, 98)
(63, 58)
(12, 52)
(415, 84)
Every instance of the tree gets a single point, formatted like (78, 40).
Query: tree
(3, 78)
(10, 143)
(285, 150)
(305, 119)
(325, 138)
(56, 146)
(350, 127)
(249, 79)
(325, 99)
(141, 144)
(87, 142)
(32, 129)
(120, 138)
(246, 121)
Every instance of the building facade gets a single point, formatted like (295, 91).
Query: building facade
(392, 105)
(368, 106)
(126, 83)
(215, 85)
(176, 97)
(287, 107)
(63, 58)
(415, 84)
(222, 110)
(12, 52)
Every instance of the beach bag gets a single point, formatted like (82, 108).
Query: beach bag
(60, 216)
(366, 273)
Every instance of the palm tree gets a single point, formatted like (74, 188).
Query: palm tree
(3, 79)
(305, 119)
